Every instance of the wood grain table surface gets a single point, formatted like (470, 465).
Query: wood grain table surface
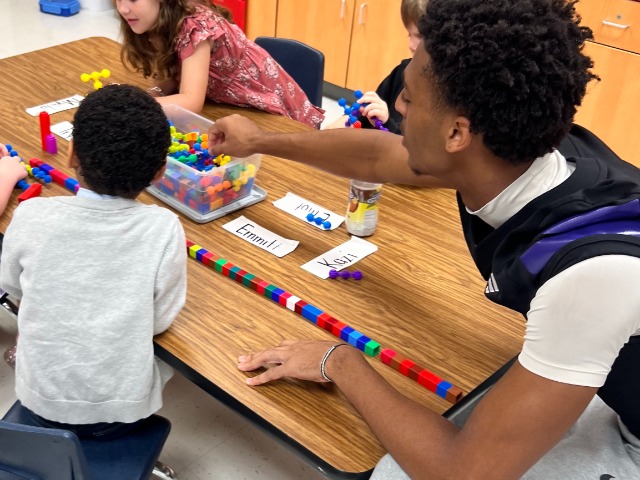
(421, 294)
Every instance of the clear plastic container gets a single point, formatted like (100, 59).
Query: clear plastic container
(362, 211)
(201, 194)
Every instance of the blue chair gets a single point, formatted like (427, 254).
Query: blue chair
(305, 64)
(36, 453)
(28, 452)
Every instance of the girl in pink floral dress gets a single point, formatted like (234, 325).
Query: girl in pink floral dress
(194, 53)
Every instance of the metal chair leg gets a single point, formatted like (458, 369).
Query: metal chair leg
(163, 472)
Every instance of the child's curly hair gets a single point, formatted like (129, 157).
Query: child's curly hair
(121, 138)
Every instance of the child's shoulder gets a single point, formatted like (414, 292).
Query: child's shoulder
(160, 223)
(159, 214)
(202, 23)
(157, 211)
(34, 210)
(37, 203)
(203, 15)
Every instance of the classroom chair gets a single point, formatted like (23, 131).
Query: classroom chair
(31, 452)
(305, 64)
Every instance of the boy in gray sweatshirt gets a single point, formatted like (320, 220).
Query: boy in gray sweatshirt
(98, 274)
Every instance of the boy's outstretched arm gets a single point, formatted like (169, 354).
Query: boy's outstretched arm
(369, 155)
(517, 422)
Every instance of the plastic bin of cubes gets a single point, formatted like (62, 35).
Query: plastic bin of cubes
(203, 194)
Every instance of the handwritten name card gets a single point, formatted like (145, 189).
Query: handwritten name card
(340, 257)
(63, 129)
(260, 237)
(300, 208)
(56, 106)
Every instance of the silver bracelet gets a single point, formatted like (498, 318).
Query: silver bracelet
(155, 92)
(323, 362)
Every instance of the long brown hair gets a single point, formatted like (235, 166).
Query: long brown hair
(139, 53)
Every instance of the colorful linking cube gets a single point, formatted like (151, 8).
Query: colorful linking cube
(46, 173)
(353, 111)
(57, 176)
(286, 299)
(199, 181)
(341, 330)
(29, 190)
(415, 372)
(32, 191)
(96, 76)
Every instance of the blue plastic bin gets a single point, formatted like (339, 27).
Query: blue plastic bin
(65, 8)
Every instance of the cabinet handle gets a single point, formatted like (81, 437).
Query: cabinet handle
(344, 2)
(361, 16)
(615, 25)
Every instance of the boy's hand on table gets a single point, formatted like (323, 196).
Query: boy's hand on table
(299, 359)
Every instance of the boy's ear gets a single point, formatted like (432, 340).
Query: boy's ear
(160, 172)
(72, 159)
(459, 135)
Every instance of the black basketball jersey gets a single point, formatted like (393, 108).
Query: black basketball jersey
(596, 211)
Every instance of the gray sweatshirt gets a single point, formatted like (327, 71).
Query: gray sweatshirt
(97, 276)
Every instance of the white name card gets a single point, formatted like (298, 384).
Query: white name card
(340, 257)
(56, 106)
(260, 237)
(63, 129)
(300, 208)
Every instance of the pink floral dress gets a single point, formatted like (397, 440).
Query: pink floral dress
(241, 73)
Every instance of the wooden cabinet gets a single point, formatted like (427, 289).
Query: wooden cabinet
(323, 24)
(614, 22)
(379, 42)
(261, 18)
(610, 108)
(362, 40)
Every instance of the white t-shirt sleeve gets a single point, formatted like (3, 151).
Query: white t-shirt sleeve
(581, 318)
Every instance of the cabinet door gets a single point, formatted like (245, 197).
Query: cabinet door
(614, 22)
(323, 24)
(378, 43)
(610, 108)
(261, 18)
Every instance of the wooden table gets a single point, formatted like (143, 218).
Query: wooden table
(421, 294)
